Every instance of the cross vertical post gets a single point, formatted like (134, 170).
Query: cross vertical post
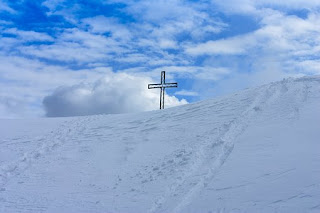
(163, 80)
(162, 87)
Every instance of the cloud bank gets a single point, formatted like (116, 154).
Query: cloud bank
(115, 93)
(209, 47)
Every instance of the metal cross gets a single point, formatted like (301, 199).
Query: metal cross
(162, 86)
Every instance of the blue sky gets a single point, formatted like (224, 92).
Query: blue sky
(89, 57)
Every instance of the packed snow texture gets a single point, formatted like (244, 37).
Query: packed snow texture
(254, 151)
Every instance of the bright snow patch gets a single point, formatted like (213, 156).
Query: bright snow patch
(254, 151)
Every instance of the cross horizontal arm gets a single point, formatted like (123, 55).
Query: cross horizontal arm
(166, 85)
(152, 86)
(170, 85)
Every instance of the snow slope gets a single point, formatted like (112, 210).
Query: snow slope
(254, 151)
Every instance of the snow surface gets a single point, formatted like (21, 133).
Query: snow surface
(254, 151)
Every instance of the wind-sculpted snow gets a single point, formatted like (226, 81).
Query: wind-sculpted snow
(253, 151)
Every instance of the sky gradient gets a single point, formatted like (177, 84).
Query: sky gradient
(59, 57)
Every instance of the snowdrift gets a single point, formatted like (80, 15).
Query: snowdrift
(257, 150)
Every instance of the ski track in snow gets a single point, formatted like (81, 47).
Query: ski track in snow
(220, 148)
(48, 144)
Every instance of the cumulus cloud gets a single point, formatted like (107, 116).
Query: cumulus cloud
(115, 93)
(24, 82)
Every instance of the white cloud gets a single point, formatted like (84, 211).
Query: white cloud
(101, 24)
(52, 4)
(167, 20)
(266, 70)
(194, 72)
(235, 45)
(28, 35)
(168, 44)
(115, 93)
(75, 45)
(186, 93)
(9, 106)
(5, 7)
(256, 6)
(292, 4)
(236, 6)
(311, 67)
(289, 38)
(60, 8)
(163, 10)
(4, 23)
(103, 39)
(176, 36)
(24, 82)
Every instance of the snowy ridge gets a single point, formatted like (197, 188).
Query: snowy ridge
(221, 148)
(202, 157)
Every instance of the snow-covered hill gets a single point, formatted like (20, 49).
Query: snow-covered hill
(254, 151)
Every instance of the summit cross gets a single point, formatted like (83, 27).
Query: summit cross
(162, 86)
